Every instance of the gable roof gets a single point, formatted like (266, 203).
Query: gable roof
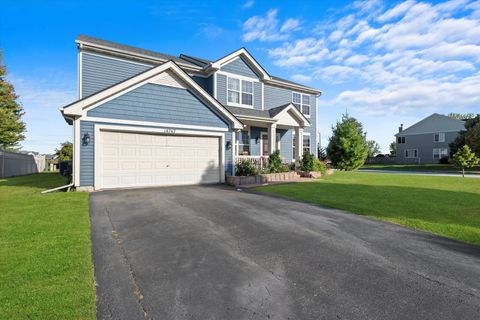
(246, 56)
(271, 115)
(79, 108)
(434, 123)
(188, 62)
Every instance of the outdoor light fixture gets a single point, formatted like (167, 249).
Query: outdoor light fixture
(228, 145)
(86, 139)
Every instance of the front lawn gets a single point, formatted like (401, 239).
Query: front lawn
(46, 267)
(447, 206)
(437, 168)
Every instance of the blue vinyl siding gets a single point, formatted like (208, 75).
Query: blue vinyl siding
(157, 103)
(100, 72)
(286, 145)
(222, 88)
(240, 67)
(87, 155)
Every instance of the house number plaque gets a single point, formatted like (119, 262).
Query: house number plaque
(170, 131)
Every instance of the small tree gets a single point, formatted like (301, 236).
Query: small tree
(465, 158)
(11, 125)
(373, 148)
(393, 149)
(347, 148)
(65, 152)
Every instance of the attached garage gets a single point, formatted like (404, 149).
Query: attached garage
(142, 159)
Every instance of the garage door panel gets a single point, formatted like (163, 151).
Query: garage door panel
(137, 160)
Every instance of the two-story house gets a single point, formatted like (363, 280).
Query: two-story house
(427, 140)
(145, 118)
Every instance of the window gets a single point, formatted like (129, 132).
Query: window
(239, 91)
(439, 137)
(243, 143)
(439, 153)
(400, 140)
(306, 143)
(302, 102)
(411, 153)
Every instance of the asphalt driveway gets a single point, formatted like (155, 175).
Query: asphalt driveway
(216, 253)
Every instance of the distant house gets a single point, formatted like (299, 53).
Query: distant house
(427, 140)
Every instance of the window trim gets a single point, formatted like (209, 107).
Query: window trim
(237, 144)
(407, 153)
(302, 104)
(293, 143)
(241, 80)
(440, 155)
(440, 134)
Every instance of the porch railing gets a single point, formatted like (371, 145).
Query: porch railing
(259, 161)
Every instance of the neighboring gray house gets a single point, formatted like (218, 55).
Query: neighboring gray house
(427, 140)
(145, 118)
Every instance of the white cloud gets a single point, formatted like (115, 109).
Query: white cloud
(248, 4)
(266, 28)
(290, 25)
(396, 11)
(300, 52)
(301, 78)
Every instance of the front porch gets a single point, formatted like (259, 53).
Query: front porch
(266, 131)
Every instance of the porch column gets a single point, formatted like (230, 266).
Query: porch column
(298, 144)
(272, 136)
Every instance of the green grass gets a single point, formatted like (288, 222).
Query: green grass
(447, 206)
(439, 168)
(46, 269)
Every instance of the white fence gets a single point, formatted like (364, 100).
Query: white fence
(19, 164)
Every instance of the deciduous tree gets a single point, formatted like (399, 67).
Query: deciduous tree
(465, 158)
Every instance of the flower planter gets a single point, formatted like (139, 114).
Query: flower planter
(237, 181)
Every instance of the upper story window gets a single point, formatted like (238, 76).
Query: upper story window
(401, 140)
(439, 137)
(302, 102)
(239, 92)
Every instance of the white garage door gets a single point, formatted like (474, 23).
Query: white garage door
(140, 160)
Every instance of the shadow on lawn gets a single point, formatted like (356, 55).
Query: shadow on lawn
(45, 180)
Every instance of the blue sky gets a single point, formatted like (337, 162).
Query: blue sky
(387, 62)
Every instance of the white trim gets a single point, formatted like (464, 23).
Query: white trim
(82, 106)
(234, 153)
(80, 73)
(440, 154)
(76, 152)
(215, 85)
(102, 127)
(153, 124)
(242, 52)
(268, 120)
(301, 103)
(291, 107)
(119, 59)
(241, 105)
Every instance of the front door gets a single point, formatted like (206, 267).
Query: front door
(264, 138)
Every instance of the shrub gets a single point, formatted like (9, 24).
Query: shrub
(245, 168)
(275, 164)
(307, 162)
(444, 160)
(319, 166)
